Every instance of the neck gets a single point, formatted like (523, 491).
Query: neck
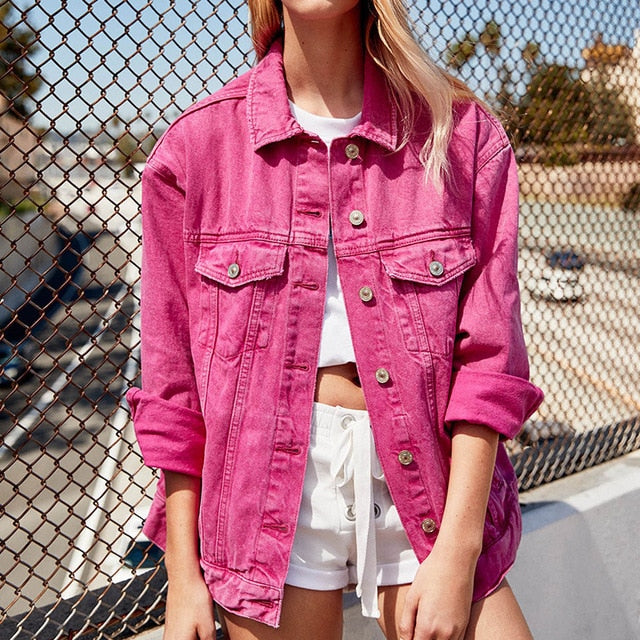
(323, 64)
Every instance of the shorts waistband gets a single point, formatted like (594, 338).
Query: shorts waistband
(326, 415)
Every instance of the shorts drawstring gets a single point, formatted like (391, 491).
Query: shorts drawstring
(348, 530)
(357, 462)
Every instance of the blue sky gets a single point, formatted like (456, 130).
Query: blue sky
(97, 60)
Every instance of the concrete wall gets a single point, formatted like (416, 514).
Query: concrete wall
(577, 576)
(596, 182)
(578, 571)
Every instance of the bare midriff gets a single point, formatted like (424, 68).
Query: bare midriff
(340, 385)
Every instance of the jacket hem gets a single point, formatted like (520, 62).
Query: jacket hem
(243, 597)
(496, 560)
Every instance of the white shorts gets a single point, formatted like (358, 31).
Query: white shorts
(348, 530)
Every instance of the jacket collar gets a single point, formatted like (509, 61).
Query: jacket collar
(270, 118)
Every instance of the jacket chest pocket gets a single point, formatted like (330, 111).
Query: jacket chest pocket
(238, 283)
(425, 282)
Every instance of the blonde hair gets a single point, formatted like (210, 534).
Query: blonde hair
(409, 71)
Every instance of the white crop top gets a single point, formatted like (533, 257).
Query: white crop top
(336, 346)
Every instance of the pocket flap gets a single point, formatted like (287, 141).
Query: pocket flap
(234, 264)
(433, 262)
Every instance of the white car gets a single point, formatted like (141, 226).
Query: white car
(560, 278)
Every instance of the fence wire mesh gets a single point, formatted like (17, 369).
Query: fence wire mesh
(87, 87)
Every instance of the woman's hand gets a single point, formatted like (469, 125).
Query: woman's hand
(189, 603)
(189, 613)
(438, 603)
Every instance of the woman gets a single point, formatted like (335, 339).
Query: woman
(302, 453)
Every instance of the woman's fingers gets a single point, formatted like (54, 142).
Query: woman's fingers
(408, 618)
(190, 613)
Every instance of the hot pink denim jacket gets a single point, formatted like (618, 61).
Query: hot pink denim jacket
(237, 205)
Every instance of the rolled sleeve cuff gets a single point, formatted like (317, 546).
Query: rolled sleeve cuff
(497, 400)
(171, 436)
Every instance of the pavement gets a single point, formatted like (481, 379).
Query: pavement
(584, 353)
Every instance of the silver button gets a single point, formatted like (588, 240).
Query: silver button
(356, 217)
(346, 421)
(436, 268)
(234, 270)
(428, 525)
(405, 457)
(352, 151)
(382, 375)
(366, 294)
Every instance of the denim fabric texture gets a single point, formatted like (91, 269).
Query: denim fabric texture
(237, 203)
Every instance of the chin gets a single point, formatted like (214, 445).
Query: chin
(319, 9)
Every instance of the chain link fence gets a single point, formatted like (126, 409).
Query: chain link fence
(87, 87)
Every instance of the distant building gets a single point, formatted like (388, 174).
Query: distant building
(19, 154)
(618, 67)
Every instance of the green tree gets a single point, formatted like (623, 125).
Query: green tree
(531, 53)
(555, 107)
(559, 109)
(611, 119)
(491, 38)
(505, 98)
(461, 51)
(19, 80)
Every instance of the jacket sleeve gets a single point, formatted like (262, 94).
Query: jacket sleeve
(166, 411)
(490, 384)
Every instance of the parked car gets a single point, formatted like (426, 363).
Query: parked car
(559, 280)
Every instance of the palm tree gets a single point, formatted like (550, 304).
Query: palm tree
(17, 43)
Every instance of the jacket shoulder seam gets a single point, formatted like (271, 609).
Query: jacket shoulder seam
(237, 89)
(499, 140)
(495, 151)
